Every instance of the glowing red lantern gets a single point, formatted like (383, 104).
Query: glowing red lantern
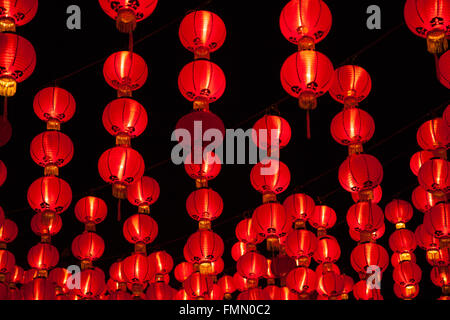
(159, 291)
(124, 118)
(418, 159)
(301, 243)
(39, 289)
(16, 13)
(207, 168)
(254, 294)
(137, 269)
(246, 232)
(54, 105)
(117, 272)
(238, 250)
(202, 32)
(8, 231)
(330, 284)
(351, 85)
(328, 250)
(444, 70)
(29, 275)
(121, 166)
(217, 267)
(17, 62)
(398, 258)
(49, 194)
(143, 193)
(362, 291)
(125, 71)
(92, 283)
(3, 173)
(162, 262)
(226, 283)
(198, 286)
(59, 277)
(429, 19)
(140, 228)
(406, 293)
(407, 274)
(360, 172)
(365, 216)
(7, 261)
(91, 210)
(52, 150)
(43, 256)
(204, 205)
(271, 221)
(402, 241)
(323, 217)
(423, 200)
(440, 276)
(88, 246)
(377, 195)
(377, 234)
(299, 206)
(252, 265)
(42, 225)
(5, 131)
(281, 265)
(17, 275)
(305, 21)
(434, 176)
(426, 240)
(181, 295)
(369, 254)
(202, 80)
(270, 176)
(240, 282)
(271, 131)
(437, 220)
(302, 280)
(433, 134)
(183, 271)
(203, 247)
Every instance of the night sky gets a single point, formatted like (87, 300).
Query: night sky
(404, 94)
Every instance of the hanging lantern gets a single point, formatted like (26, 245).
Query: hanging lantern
(433, 135)
(51, 150)
(423, 200)
(183, 270)
(204, 205)
(202, 32)
(91, 210)
(181, 295)
(328, 250)
(406, 293)
(330, 285)
(271, 132)
(198, 286)
(162, 262)
(418, 159)
(239, 249)
(398, 212)
(3, 173)
(429, 19)
(159, 291)
(246, 232)
(41, 225)
(270, 177)
(55, 106)
(240, 282)
(8, 231)
(143, 193)
(365, 217)
(39, 289)
(203, 247)
(444, 69)
(7, 261)
(206, 169)
(434, 176)
(226, 283)
(216, 293)
(437, 221)
(49, 194)
(369, 254)
(299, 207)
(403, 241)
(140, 228)
(363, 291)
(124, 118)
(128, 13)
(305, 22)
(440, 276)
(375, 235)
(43, 256)
(301, 244)
(16, 13)
(302, 280)
(398, 258)
(377, 195)
(125, 71)
(407, 274)
(351, 85)
(88, 246)
(360, 172)
(121, 166)
(323, 218)
(17, 62)
(5, 131)
(137, 269)
(92, 283)
(117, 272)
(251, 266)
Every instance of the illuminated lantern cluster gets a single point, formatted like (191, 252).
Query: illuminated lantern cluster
(10, 274)
(431, 167)
(306, 74)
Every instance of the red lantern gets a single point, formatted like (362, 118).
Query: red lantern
(117, 272)
(7, 261)
(181, 295)
(328, 250)
(59, 277)
(270, 176)
(143, 193)
(330, 284)
(127, 13)
(406, 293)
(302, 20)
(121, 166)
(348, 285)
(42, 226)
(299, 206)
(351, 83)
(52, 150)
(217, 267)
(29, 275)
(398, 258)
(433, 134)
(323, 217)
(246, 232)
(206, 169)
(362, 291)
(3, 173)
(434, 176)
(426, 240)
(54, 105)
(238, 250)
(429, 19)
(202, 80)
(444, 70)
(92, 283)
(377, 234)
(140, 228)
(49, 194)
(202, 31)
(402, 241)
(271, 131)
(307, 75)
(440, 276)
(183, 271)
(369, 254)
(162, 262)
(377, 195)
(407, 274)
(240, 282)
(16, 13)
(270, 220)
(423, 200)
(418, 159)
(137, 269)
(301, 243)
(302, 280)
(360, 172)
(252, 265)
(91, 210)
(125, 117)
(281, 265)
(39, 289)
(43, 256)
(8, 231)
(17, 62)
(198, 286)
(125, 71)
(352, 127)
(226, 283)
(88, 246)
(160, 291)
(204, 205)
(437, 221)
(365, 216)
(203, 247)
(254, 294)
(5, 131)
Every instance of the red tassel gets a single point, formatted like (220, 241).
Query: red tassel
(119, 212)
(308, 125)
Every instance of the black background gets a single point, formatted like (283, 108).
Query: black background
(405, 90)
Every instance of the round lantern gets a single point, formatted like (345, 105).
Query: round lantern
(203, 247)
(425, 240)
(143, 193)
(124, 118)
(407, 274)
(363, 291)
(271, 131)
(201, 80)
(42, 225)
(198, 286)
(8, 231)
(270, 176)
(434, 176)
(307, 75)
(91, 210)
(246, 232)
(49, 194)
(43, 256)
(88, 246)
(402, 241)
(16, 13)
(92, 283)
(377, 195)
(351, 85)
(323, 217)
(252, 265)
(440, 276)
(444, 69)
(202, 32)
(305, 22)
(369, 254)
(183, 271)
(437, 221)
(59, 277)
(3, 173)
(240, 282)
(39, 289)
(301, 243)
(51, 150)
(140, 228)
(7, 261)
(127, 13)
(207, 168)
(137, 269)
(239, 249)
(423, 200)
(302, 280)
(299, 206)
(429, 19)
(331, 285)
(204, 205)
(226, 283)
(125, 71)
(418, 159)
(121, 166)
(117, 272)
(5, 131)
(328, 250)
(181, 295)
(433, 135)
(365, 216)
(17, 62)
(54, 105)
(162, 262)
(271, 220)
(398, 258)
(406, 293)
(360, 172)
(17, 275)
